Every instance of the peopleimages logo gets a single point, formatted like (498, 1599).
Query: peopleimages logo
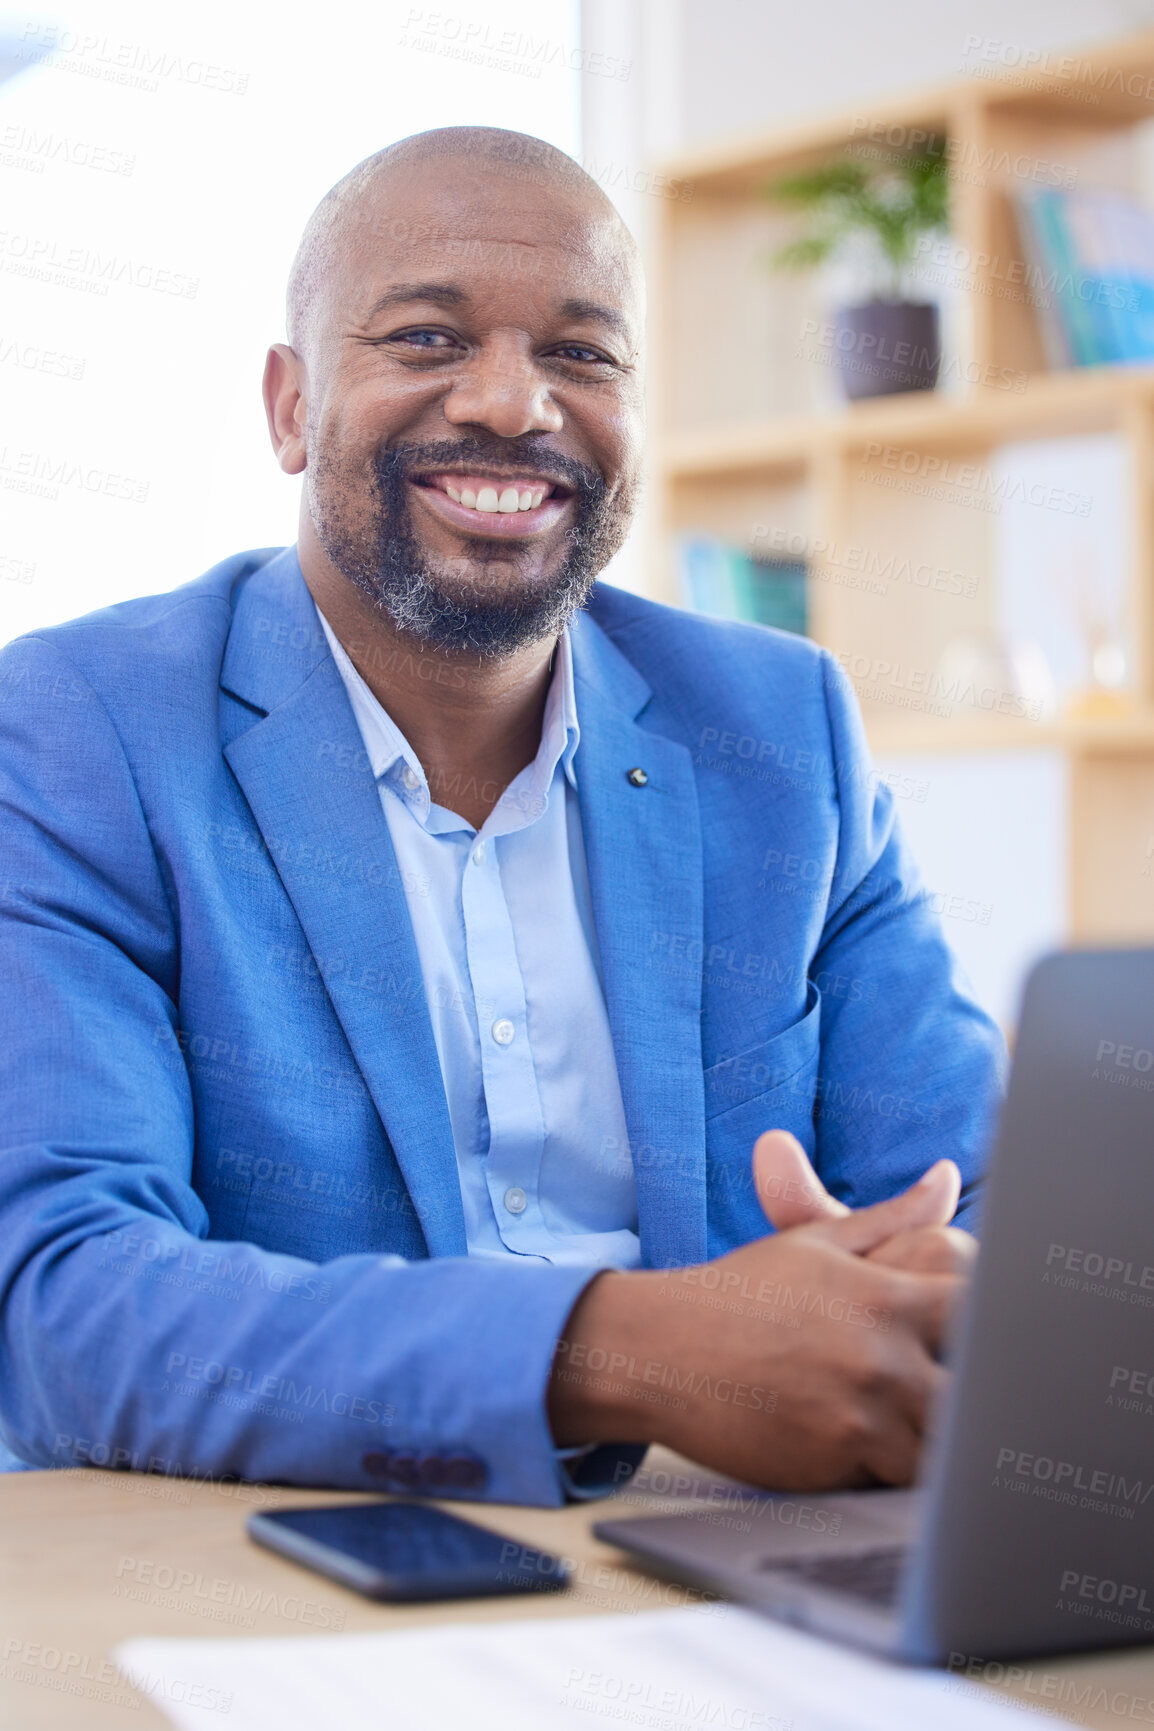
(1072, 1259)
(1138, 1382)
(1106, 1592)
(1125, 1057)
(1066, 1482)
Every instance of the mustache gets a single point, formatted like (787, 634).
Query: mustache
(397, 462)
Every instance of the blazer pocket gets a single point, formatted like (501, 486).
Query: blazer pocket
(755, 1074)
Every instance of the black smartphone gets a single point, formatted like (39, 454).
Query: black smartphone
(406, 1551)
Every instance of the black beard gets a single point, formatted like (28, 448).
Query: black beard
(449, 611)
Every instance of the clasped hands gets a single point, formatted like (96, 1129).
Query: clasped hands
(808, 1361)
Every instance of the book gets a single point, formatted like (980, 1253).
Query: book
(1066, 277)
(1128, 259)
(1091, 268)
(1055, 345)
(727, 583)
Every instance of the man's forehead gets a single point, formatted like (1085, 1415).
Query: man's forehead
(452, 252)
(481, 219)
(455, 193)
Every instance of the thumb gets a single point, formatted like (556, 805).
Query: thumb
(788, 1188)
(932, 1201)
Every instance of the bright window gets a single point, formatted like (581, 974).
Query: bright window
(156, 172)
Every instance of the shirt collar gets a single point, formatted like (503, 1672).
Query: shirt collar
(393, 759)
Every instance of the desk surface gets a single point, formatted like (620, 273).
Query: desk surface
(88, 1559)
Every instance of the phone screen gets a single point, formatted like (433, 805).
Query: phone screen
(401, 1550)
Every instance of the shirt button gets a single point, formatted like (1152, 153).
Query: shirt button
(516, 1200)
(503, 1032)
(479, 854)
(410, 778)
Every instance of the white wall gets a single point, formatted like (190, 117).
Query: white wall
(748, 63)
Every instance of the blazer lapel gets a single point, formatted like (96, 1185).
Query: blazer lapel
(643, 846)
(298, 768)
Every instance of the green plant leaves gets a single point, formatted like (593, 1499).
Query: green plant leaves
(895, 202)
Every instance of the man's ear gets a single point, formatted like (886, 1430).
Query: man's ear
(285, 383)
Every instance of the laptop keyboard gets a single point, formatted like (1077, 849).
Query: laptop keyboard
(873, 1575)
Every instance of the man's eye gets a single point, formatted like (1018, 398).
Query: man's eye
(578, 352)
(424, 339)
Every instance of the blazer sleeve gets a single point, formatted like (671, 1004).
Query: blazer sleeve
(911, 1066)
(286, 1370)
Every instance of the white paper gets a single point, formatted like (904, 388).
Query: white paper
(714, 1668)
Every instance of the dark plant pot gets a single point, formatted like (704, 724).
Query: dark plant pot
(888, 346)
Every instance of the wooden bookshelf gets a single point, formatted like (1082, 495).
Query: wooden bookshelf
(754, 443)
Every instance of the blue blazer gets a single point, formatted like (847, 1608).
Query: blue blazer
(231, 1238)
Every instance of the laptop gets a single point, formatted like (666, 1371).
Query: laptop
(1032, 1529)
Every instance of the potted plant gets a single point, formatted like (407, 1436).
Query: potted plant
(874, 216)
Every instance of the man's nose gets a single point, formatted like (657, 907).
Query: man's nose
(501, 388)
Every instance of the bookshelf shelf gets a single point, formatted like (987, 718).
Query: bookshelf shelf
(1087, 738)
(1084, 400)
(754, 445)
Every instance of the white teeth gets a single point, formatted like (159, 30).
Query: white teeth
(489, 499)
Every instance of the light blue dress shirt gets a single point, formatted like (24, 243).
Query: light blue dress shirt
(503, 923)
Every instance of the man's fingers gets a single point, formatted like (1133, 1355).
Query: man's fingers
(792, 1194)
(892, 1455)
(932, 1201)
(929, 1250)
(925, 1304)
(788, 1188)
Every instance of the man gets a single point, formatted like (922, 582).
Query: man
(397, 980)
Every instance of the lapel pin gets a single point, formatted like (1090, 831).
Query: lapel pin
(637, 777)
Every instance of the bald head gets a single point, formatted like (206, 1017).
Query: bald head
(358, 207)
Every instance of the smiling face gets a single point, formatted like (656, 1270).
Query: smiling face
(472, 406)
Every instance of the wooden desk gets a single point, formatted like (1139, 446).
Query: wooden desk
(88, 1559)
